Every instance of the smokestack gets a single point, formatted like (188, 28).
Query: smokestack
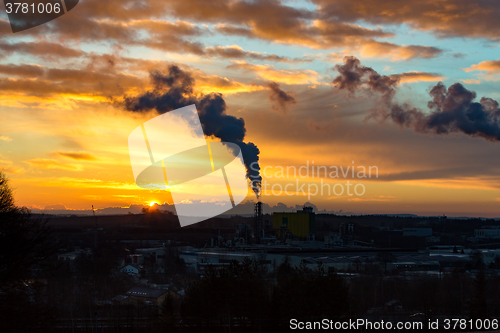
(258, 221)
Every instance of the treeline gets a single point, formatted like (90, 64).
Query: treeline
(244, 295)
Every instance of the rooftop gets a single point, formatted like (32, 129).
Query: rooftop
(145, 292)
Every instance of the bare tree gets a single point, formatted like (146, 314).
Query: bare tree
(24, 248)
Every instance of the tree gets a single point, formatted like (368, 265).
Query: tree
(307, 295)
(24, 249)
(385, 257)
(168, 310)
(478, 309)
(236, 292)
(6, 197)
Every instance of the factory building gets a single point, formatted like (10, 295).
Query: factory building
(300, 224)
(417, 232)
(488, 231)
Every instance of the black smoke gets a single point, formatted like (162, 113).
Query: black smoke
(353, 76)
(451, 110)
(280, 97)
(174, 89)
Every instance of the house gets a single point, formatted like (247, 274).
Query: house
(71, 256)
(145, 295)
(121, 299)
(134, 270)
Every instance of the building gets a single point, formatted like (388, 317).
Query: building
(137, 259)
(413, 266)
(156, 254)
(71, 256)
(300, 224)
(200, 261)
(145, 295)
(488, 231)
(418, 232)
(134, 270)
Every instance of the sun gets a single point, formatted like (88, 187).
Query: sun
(152, 203)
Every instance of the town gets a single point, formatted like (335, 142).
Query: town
(139, 272)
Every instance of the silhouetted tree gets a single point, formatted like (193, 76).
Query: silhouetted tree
(385, 257)
(237, 292)
(309, 295)
(24, 250)
(168, 312)
(478, 307)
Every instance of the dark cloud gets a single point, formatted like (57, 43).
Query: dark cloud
(235, 52)
(36, 80)
(277, 22)
(451, 110)
(43, 49)
(450, 18)
(174, 89)
(133, 23)
(22, 70)
(281, 98)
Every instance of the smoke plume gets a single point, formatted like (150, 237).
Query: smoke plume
(174, 89)
(280, 97)
(451, 110)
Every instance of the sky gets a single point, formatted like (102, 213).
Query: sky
(409, 88)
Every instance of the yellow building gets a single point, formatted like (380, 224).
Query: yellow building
(299, 224)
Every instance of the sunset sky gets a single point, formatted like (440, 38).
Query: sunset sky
(64, 86)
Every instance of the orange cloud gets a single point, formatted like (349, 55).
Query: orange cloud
(236, 52)
(416, 76)
(50, 164)
(490, 67)
(445, 18)
(76, 155)
(268, 72)
(5, 138)
(372, 49)
(46, 50)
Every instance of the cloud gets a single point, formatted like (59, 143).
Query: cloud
(55, 206)
(416, 76)
(269, 73)
(126, 23)
(280, 98)
(490, 67)
(5, 138)
(100, 79)
(22, 70)
(373, 49)
(12, 169)
(471, 81)
(444, 18)
(79, 156)
(236, 52)
(43, 49)
(8, 166)
(51, 164)
(380, 198)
